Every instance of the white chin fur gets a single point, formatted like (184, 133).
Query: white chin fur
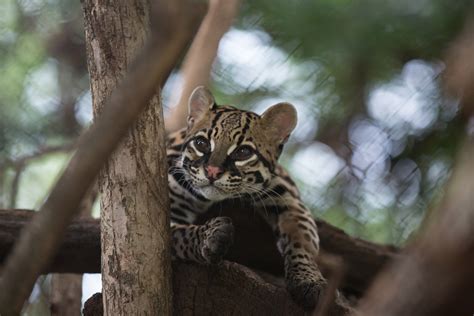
(212, 193)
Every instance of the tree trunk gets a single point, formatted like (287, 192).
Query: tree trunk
(136, 272)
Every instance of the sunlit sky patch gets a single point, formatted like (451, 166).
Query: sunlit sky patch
(84, 108)
(404, 102)
(91, 284)
(41, 87)
(316, 165)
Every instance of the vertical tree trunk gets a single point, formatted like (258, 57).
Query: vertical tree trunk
(134, 192)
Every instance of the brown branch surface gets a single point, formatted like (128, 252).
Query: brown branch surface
(79, 251)
(253, 247)
(226, 289)
(41, 239)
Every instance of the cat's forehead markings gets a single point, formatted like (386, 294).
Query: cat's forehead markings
(231, 121)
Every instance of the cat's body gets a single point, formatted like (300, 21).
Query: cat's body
(226, 153)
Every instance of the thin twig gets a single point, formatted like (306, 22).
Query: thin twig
(38, 153)
(337, 270)
(15, 184)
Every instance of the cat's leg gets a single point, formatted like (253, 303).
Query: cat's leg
(206, 243)
(298, 243)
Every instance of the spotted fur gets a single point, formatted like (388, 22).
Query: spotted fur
(226, 153)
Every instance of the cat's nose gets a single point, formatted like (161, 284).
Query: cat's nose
(213, 172)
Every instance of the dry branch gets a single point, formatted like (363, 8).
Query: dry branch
(40, 152)
(40, 240)
(253, 247)
(196, 69)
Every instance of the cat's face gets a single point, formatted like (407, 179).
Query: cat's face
(230, 152)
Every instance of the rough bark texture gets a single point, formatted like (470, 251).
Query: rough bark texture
(134, 195)
(254, 247)
(136, 272)
(226, 289)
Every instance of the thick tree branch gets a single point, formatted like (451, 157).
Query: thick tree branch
(40, 240)
(79, 251)
(226, 289)
(253, 247)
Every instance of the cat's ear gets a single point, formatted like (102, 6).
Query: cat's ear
(199, 104)
(279, 121)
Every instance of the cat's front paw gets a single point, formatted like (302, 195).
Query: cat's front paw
(306, 288)
(218, 237)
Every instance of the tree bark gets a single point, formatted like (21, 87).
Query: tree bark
(226, 289)
(134, 231)
(136, 272)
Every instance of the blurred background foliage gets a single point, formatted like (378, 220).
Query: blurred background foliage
(376, 135)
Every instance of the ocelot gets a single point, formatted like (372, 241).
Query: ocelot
(226, 153)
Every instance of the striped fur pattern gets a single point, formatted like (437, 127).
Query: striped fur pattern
(227, 153)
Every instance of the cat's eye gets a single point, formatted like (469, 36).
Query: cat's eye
(242, 153)
(202, 144)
